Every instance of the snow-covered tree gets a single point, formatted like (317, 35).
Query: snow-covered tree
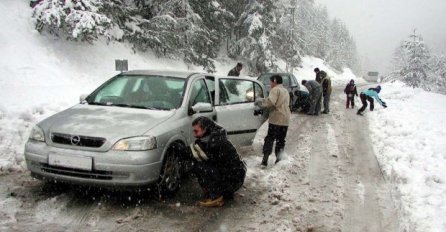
(438, 76)
(415, 72)
(73, 19)
(413, 64)
(258, 32)
(255, 28)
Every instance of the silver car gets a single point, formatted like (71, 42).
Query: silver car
(134, 129)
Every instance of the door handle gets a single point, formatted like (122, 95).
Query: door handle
(258, 112)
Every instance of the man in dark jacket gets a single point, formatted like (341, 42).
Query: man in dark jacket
(326, 91)
(351, 91)
(315, 91)
(235, 72)
(318, 75)
(219, 168)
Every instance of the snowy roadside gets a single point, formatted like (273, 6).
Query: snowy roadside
(408, 138)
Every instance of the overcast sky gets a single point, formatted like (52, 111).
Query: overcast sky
(379, 25)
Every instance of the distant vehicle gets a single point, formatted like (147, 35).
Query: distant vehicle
(289, 82)
(133, 130)
(372, 76)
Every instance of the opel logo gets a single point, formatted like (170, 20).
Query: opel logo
(75, 140)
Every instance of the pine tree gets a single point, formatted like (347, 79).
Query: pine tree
(416, 69)
(438, 76)
(255, 27)
(74, 19)
(259, 32)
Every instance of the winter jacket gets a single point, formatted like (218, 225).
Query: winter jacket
(318, 77)
(351, 89)
(313, 86)
(234, 72)
(373, 94)
(220, 153)
(303, 99)
(326, 85)
(278, 102)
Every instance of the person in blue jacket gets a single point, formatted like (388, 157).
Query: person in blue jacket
(370, 95)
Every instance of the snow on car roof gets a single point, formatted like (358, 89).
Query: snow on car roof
(180, 74)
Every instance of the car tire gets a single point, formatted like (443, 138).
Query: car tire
(170, 174)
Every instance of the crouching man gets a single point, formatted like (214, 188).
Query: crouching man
(219, 168)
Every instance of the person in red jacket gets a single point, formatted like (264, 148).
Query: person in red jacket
(351, 91)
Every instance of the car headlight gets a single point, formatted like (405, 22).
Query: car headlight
(136, 144)
(37, 134)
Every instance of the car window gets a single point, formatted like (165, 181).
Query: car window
(293, 80)
(286, 80)
(210, 82)
(112, 91)
(258, 91)
(236, 91)
(199, 93)
(265, 79)
(159, 92)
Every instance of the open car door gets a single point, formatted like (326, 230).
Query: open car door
(236, 112)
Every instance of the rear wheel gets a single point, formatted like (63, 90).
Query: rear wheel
(170, 176)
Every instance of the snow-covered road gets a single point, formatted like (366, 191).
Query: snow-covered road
(329, 181)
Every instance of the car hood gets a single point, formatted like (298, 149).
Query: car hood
(111, 123)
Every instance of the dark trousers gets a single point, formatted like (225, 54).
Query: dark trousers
(315, 98)
(364, 99)
(275, 133)
(327, 103)
(217, 182)
(350, 101)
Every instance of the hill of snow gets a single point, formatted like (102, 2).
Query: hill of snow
(409, 141)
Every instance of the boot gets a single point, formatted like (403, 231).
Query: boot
(265, 160)
(217, 202)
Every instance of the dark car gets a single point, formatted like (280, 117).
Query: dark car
(289, 82)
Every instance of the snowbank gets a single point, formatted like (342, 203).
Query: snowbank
(309, 63)
(409, 141)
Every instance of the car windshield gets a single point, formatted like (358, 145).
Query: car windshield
(144, 92)
(264, 78)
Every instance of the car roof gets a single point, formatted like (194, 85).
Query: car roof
(170, 73)
(275, 74)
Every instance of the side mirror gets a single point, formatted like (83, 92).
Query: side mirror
(202, 107)
(83, 97)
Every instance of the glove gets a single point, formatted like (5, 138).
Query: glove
(258, 102)
(198, 153)
(384, 105)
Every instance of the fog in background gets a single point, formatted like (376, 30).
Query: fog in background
(378, 26)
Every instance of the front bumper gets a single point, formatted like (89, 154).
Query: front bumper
(109, 169)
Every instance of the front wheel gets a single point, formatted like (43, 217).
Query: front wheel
(170, 176)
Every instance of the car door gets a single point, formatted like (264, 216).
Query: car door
(235, 108)
(198, 94)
